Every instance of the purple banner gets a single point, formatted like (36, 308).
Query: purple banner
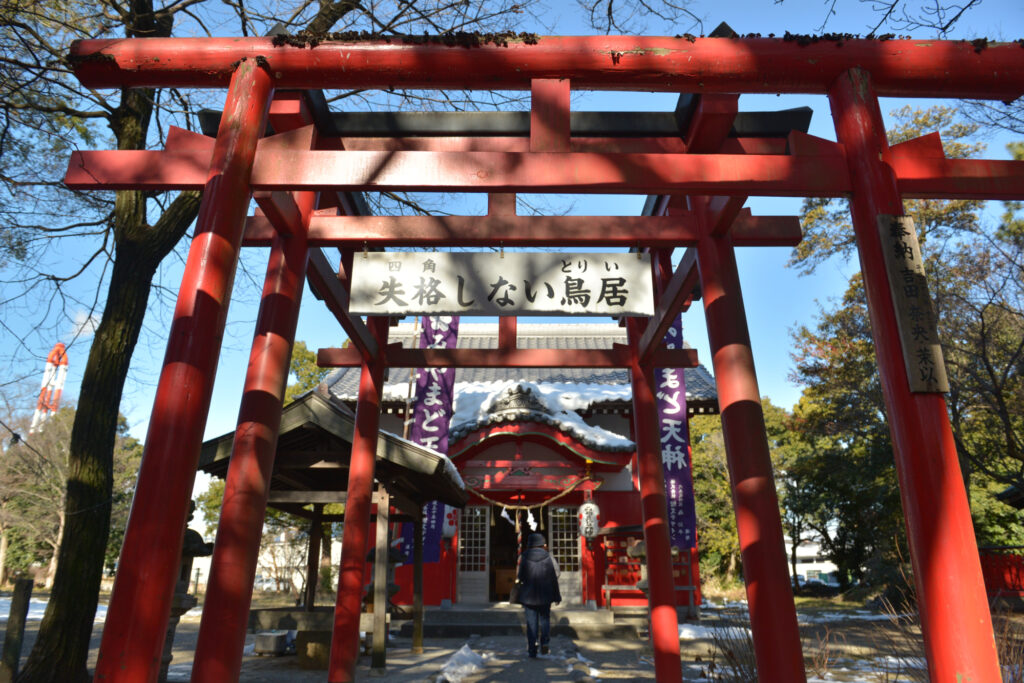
(675, 447)
(431, 413)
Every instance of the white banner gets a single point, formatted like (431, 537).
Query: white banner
(489, 283)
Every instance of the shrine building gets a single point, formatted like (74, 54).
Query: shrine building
(547, 440)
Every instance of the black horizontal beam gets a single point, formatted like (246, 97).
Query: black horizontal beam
(517, 123)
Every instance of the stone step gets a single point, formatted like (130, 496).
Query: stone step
(506, 613)
(456, 629)
(462, 621)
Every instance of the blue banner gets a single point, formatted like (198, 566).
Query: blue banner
(675, 446)
(431, 414)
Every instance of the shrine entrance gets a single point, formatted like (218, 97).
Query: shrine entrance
(562, 531)
(697, 166)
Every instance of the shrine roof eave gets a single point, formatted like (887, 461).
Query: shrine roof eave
(314, 423)
(489, 435)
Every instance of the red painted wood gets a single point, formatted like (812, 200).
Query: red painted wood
(534, 431)
(661, 586)
(513, 231)
(549, 115)
(398, 357)
(225, 619)
(149, 566)
(356, 533)
(759, 526)
(677, 291)
(957, 627)
(923, 177)
(1003, 570)
(323, 277)
(522, 144)
(905, 68)
(711, 122)
(507, 333)
(577, 172)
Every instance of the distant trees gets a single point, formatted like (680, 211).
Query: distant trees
(716, 519)
(33, 488)
(976, 280)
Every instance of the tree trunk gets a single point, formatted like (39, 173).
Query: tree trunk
(792, 559)
(51, 571)
(3, 557)
(62, 647)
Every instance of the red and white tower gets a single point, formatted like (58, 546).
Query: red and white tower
(53, 384)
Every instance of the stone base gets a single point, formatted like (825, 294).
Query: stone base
(313, 649)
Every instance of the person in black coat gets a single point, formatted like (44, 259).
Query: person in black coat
(538, 578)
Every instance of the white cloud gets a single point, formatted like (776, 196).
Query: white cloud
(84, 324)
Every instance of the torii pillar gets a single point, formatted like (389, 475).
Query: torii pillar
(755, 501)
(955, 619)
(141, 600)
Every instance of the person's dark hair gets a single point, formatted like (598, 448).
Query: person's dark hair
(535, 541)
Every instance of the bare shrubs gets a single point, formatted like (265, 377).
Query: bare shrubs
(731, 659)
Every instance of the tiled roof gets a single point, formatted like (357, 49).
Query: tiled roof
(700, 385)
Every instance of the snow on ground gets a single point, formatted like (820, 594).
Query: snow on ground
(829, 617)
(36, 609)
(463, 663)
(741, 605)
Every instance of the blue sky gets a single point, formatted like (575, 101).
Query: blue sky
(776, 298)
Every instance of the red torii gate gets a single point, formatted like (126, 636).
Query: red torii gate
(707, 180)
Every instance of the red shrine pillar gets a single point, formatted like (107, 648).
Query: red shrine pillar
(758, 522)
(660, 583)
(354, 541)
(133, 636)
(955, 618)
(225, 618)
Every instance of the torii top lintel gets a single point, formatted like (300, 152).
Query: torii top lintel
(907, 68)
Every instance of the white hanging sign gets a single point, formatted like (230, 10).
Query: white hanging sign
(489, 283)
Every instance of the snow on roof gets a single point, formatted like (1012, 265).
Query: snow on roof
(480, 404)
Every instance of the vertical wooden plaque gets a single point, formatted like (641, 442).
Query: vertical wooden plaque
(915, 315)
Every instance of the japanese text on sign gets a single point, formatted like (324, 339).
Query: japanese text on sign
(915, 316)
(675, 446)
(487, 283)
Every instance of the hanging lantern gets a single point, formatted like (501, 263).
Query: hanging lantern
(590, 520)
(451, 516)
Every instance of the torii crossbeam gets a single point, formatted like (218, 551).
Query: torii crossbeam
(699, 177)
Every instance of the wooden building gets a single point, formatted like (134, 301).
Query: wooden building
(547, 439)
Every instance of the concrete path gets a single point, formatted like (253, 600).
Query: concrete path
(497, 658)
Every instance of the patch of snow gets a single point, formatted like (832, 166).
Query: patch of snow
(37, 608)
(830, 617)
(463, 663)
(741, 605)
(694, 631)
(179, 672)
(890, 663)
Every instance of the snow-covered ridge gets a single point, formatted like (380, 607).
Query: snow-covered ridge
(556, 406)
